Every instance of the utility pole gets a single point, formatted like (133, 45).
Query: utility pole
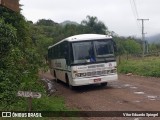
(143, 35)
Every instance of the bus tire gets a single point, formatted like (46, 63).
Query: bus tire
(68, 83)
(71, 87)
(104, 84)
(55, 77)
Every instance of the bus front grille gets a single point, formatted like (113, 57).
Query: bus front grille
(96, 66)
(103, 72)
(96, 73)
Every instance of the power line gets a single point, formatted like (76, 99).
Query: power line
(135, 9)
(135, 12)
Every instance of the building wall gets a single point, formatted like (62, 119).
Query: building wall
(11, 4)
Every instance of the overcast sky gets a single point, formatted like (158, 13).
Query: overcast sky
(119, 16)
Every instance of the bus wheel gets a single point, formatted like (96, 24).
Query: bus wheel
(104, 84)
(67, 82)
(71, 87)
(55, 77)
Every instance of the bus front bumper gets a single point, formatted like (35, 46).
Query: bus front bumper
(94, 80)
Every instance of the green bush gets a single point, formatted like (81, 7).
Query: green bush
(44, 103)
(149, 66)
(19, 66)
(19, 62)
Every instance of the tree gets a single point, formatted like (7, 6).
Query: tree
(126, 46)
(94, 26)
(18, 58)
(9, 75)
(46, 22)
(154, 47)
(132, 47)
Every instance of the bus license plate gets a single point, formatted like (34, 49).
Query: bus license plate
(97, 80)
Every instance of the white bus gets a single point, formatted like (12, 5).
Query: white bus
(83, 59)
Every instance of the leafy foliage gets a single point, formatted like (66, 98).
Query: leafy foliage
(154, 47)
(149, 66)
(5, 31)
(7, 62)
(46, 22)
(94, 26)
(18, 58)
(127, 45)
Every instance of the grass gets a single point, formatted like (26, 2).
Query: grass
(148, 66)
(45, 104)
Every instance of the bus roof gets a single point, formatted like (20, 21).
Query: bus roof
(82, 37)
(87, 37)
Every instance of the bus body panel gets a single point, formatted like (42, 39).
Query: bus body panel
(87, 81)
(100, 71)
(59, 67)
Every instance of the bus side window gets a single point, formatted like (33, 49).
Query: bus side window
(66, 53)
(70, 52)
(52, 53)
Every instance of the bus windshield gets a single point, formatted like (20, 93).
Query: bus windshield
(103, 48)
(92, 51)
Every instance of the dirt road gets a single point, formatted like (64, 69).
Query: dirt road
(129, 93)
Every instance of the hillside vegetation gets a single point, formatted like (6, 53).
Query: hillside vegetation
(19, 66)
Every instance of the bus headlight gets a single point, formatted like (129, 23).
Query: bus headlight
(80, 74)
(77, 75)
(75, 71)
(113, 71)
